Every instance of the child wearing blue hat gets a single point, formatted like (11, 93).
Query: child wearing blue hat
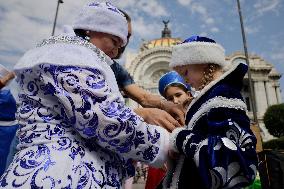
(216, 147)
(173, 88)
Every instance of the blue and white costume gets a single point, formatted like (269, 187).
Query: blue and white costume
(75, 130)
(217, 146)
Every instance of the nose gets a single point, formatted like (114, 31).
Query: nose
(175, 100)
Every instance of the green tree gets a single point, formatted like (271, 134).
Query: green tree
(274, 120)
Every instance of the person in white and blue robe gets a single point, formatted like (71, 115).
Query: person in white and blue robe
(75, 130)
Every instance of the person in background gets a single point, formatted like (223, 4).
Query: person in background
(158, 111)
(217, 146)
(173, 88)
(8, 124)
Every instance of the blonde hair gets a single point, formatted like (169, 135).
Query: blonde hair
(208, 74)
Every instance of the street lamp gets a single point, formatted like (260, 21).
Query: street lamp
(251, 93)
(54, 23)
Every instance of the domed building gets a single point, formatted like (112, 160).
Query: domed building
(152, 61)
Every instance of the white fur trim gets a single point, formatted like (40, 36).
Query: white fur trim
(173, 137)
(216, 102)
(197, 53)
(102, 17)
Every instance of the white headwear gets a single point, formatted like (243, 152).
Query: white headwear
(102, 17)
(198, 50)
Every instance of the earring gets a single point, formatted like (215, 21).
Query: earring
(87, 38)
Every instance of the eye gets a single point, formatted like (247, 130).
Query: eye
(178, 94)
(170, 98)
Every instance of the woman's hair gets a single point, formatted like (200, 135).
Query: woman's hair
(125, 15)
(208, 74)
(80, 33)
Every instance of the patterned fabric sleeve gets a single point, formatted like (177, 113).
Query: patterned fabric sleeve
(87, 102)
(226, 157)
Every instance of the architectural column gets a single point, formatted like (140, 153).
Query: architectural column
(260, 97)
(278, 94)
(271, 93)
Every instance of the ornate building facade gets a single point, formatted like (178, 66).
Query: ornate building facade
(152, 61)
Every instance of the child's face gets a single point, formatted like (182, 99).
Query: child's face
(192, 74)
(176, 95)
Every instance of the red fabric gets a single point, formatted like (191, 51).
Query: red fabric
(155, 176)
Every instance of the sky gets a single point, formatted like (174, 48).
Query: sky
(23, 23)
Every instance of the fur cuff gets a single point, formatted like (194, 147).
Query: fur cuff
(173, 137)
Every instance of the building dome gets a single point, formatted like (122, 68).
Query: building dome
(162, 42)
(165, 41)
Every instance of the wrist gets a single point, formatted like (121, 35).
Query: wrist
(162, 104)
(140, 112)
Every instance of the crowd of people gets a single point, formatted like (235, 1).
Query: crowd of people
(74, 129)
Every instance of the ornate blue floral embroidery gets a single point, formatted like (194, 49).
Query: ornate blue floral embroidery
(59, 121)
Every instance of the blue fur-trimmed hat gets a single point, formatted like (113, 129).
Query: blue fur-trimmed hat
(171, 78)
(198, 50)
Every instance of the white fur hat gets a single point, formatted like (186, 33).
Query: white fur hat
(102, 17)
(198, 50)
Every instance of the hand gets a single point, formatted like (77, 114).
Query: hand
(7, 78)
(159, 117)
(176, 110)
(186, 103)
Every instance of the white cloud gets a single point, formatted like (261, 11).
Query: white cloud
(152, 8)
(250, 29)
(145, 30)
(203, 34)
(264, 6)
(185, 2)
(209, 20)
(201, 10)
(278, 55)
(214, 30)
